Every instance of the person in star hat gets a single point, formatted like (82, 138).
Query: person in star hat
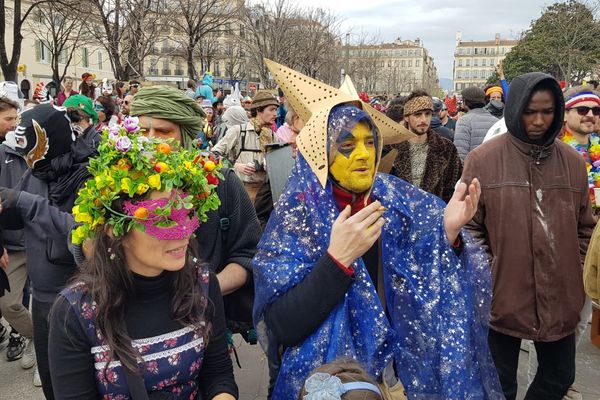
(359, 264)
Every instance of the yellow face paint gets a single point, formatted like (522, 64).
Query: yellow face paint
(354, 164)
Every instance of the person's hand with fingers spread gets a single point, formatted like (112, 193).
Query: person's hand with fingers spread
(461, 208)
(352, 236)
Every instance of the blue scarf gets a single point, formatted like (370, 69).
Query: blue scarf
(438, 304)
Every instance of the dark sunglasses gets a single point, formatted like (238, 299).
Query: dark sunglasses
(134, 85)
(583, 111)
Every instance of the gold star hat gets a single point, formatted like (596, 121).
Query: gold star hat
(313, 100)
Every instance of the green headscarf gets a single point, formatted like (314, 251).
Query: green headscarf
(171, 104)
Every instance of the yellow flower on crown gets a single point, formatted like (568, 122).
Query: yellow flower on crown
(154, 181)
(141, 189)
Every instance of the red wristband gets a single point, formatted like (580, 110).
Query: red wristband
(347, 270)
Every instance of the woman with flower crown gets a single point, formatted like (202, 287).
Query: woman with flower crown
(143, 318)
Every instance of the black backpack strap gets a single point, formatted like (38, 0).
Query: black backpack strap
(224, 222)
(135, 383)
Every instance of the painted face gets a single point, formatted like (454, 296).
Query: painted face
(539, 114)
(582, 124)
(148, 254)
(353, 166)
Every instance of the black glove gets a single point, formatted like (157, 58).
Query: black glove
(9, 197)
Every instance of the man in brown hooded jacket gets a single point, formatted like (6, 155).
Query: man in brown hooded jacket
(535, 220)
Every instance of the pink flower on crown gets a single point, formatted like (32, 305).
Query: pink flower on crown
(131, 124)
(123, 144)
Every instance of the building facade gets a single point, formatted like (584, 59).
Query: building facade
(392, 68)
(475, 62)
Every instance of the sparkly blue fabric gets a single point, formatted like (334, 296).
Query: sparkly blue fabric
(438, 304)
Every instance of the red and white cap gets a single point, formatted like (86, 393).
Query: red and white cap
(580, 98)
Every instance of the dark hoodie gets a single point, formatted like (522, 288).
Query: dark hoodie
(519, 94)
(534, 218)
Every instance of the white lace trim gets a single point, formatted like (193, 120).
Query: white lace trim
(161, 354)
(149, 341)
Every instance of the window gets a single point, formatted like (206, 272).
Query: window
(100, 60)
(468, 63)
(85, 55)
(475, 62)
(469, 51)
(467, 75)
(459, 74)
(403, 63)
(492, 63)
(460, 62)
(42, 53)
(389, 63)
(409, 63)
(417, 63)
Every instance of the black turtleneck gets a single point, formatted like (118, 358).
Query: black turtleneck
(148, 314)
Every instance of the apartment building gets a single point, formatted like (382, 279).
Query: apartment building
(475, 62)
(393, 68)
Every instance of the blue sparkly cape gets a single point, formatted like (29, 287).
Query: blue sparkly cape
(438, 303)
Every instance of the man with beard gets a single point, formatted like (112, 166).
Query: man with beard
(428, 160)
(534, 220)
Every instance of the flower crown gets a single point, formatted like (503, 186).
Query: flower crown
(131, 165)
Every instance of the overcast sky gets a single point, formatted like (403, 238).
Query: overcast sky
(435, 22)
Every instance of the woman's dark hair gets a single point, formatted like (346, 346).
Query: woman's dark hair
(109, 105)
(87, 90)
(110, 285)
(118, 86)
(348, 370)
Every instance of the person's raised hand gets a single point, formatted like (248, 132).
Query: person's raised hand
(352, 236)
(461, 208)
(500, 70)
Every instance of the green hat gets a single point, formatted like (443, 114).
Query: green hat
(171, 104)
(83, 103)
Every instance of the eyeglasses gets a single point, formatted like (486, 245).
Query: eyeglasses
(583, 110)
(134, 85)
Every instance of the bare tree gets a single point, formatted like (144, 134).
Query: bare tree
(235, 59)
(60, 32)
(196, 20)
(127, 29)
(270, 28)
(317, 33)
(19, 13)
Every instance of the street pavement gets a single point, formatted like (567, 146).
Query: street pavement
(252, 379)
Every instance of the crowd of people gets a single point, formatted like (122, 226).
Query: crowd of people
(375, 247)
